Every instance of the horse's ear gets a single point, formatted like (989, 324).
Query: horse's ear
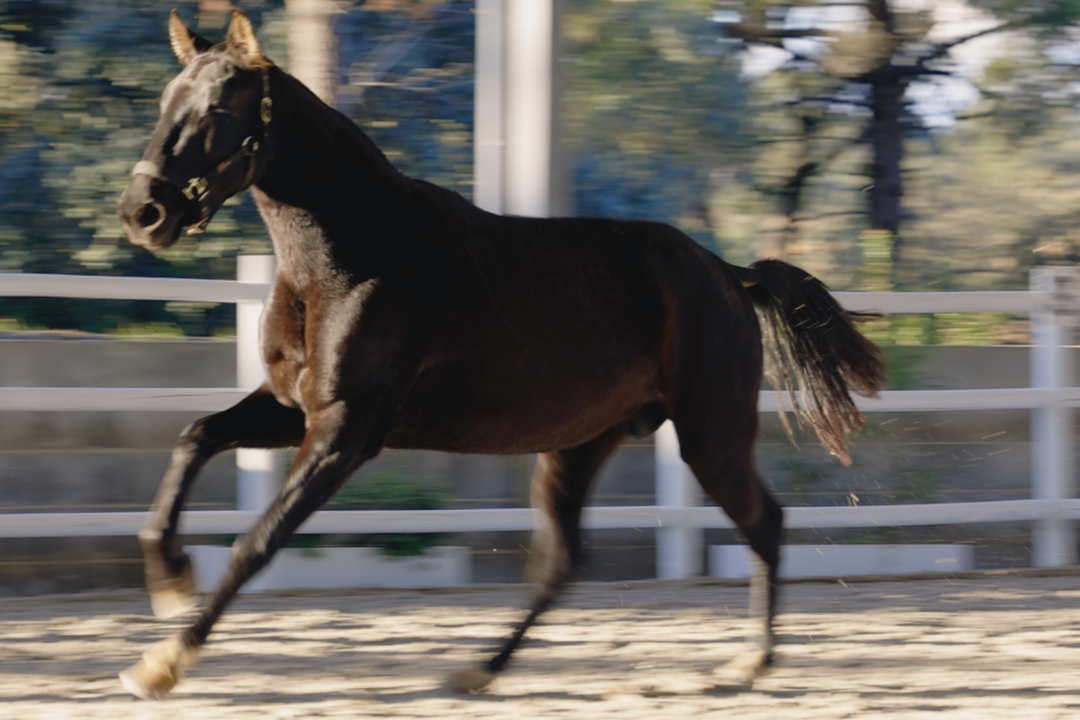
(241, 40)
(185, 43)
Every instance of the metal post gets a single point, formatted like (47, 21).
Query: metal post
(1052, 426)
(518, 167)
(489, 138)
(257, 476)
(528, 47)
(678, 544)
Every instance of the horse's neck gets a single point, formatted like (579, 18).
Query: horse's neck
(319, 156)
(328, 191)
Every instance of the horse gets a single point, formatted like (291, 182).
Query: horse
(402, 316)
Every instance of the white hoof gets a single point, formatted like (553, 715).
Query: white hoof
(472, 680)
(158, 671)
(175, 598)
(740, 672)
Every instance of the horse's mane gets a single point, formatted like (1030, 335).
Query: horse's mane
(342, 126)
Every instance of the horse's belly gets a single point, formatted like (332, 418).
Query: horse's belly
(495, 434)
(488, 412)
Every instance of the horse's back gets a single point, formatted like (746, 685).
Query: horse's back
(558, 330)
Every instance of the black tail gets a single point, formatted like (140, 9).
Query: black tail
(811, 344)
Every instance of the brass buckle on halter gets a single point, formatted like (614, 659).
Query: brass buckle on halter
(264, 109)
(196, 188)
(199, 228)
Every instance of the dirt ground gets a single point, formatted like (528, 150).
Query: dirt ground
(997, 646)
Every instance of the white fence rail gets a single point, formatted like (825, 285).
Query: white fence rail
(1053, 304)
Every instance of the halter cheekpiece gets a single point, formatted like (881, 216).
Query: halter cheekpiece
(196, 188)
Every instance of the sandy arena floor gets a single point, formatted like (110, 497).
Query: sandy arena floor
(993, 647)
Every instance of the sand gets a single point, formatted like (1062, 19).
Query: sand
(1000, 646)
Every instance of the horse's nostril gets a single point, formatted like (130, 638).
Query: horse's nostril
(149, 215)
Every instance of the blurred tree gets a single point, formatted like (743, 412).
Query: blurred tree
(408, 82)
(81, 84)
(654, 113)
(737, 141)
(858, 63)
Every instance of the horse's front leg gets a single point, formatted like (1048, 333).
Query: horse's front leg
(257, 421)
(332, 449)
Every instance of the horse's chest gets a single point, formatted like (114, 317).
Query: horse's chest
(284, 347)
(305, 343)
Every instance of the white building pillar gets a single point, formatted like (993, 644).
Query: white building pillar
(313, 46)
(489, 137)
(515, 117)
(529, 25)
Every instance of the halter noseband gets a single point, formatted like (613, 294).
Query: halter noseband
(197, 188)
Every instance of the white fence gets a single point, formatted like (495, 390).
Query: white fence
(1052, 302)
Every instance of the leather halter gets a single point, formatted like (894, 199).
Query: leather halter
(196, 189)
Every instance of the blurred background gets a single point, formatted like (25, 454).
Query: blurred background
(880, 144)
(760, 128)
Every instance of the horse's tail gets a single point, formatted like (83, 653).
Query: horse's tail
(811, 344)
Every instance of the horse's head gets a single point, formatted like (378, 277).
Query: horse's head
(205, 148)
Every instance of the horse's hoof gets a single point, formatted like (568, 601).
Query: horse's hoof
(175, 597)
(472, 680)
(740, 672)
(161, 667)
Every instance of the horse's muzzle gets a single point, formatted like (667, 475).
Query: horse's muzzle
(146, 221)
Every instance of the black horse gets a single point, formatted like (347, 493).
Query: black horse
(402, 316)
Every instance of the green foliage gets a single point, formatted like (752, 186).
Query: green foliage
(902, 362)
(807, 477)
(814, 129)
(877, 265)
(392, 490)
(386, 489)
(921, 484)
(806, 473)
(653, 113)
(1046, 16)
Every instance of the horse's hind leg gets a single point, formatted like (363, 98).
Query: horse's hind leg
(763, 532)
(724, 468)
(559, 487)
(257, 421)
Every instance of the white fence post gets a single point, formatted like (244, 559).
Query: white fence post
(678, 544)
(257, 476)
(1052, 426)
